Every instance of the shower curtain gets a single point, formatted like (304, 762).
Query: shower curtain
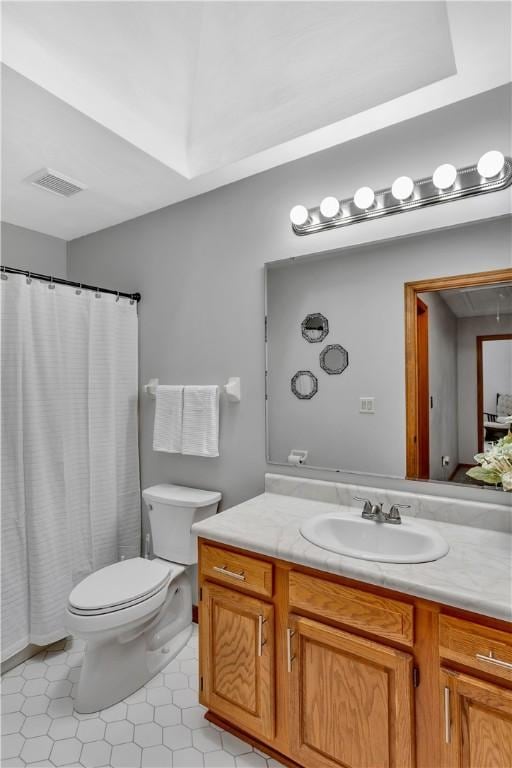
(69, 448)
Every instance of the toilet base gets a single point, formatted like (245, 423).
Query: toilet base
(118, 664)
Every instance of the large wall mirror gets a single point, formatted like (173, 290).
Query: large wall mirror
(414, 366)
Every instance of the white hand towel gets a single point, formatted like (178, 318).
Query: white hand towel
(201, 421)
(168, 419)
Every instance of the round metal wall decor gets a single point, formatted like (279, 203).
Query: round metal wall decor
(304, 385)
(333, 358)
(315, 327)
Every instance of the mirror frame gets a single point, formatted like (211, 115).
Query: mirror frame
(411, 348)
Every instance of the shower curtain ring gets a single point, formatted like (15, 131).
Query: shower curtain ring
(79, 289)
(97, 295)
(118, 297)
(3, 275)
(29, 279)
(51, 285)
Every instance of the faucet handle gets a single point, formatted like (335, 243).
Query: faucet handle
(367, 508)
(393, 515)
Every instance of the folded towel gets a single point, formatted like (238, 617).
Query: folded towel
(168, 419)
(200, 435)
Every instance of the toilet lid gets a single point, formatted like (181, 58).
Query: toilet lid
(116, 585)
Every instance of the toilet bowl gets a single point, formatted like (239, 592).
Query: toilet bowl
(136, 615)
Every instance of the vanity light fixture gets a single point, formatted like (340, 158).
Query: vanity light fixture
(402, 188)
(492, 173)
(364, 198)
(330, 207)
(491, 164)
(299, 215)
(444, 176)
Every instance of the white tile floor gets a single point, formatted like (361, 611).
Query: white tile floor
(160, 726)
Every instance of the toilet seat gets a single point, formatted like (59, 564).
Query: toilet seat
(120, 586)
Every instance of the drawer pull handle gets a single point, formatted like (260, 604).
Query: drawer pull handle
(261, 641)
(226, 572)
(289, 634)
(447, 719)
(491, 659)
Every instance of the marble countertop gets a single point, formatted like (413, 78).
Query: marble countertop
(475, 575)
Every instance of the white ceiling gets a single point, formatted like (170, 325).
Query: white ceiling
(479, 302)
(149, 103)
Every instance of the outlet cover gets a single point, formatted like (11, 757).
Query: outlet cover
(366, 405)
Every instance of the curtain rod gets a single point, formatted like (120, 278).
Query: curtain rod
(62, 281)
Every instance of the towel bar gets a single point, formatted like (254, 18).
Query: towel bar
(231, 388)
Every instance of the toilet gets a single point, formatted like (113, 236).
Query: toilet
(136, 615)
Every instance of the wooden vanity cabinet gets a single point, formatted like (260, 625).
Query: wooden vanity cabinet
(351, 702)
(324, 673)
(237, 658)
(477, 712)
(477, 722)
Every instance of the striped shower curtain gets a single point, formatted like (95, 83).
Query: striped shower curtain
(69, 450)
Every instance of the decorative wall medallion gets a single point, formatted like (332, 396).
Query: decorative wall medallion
(315, 327)
(304, 385)
(333, 358)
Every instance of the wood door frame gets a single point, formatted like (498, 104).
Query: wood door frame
(423, 444)
(480, 381)
(411, 291)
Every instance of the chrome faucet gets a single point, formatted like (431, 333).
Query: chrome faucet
(376, 513)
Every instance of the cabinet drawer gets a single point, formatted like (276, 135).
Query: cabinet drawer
(483, 648)
(382, 616)
(237, 570)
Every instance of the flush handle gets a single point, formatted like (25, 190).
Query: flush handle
(226, 572)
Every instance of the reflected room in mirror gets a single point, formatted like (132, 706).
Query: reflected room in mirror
(367, 382)
(459, 375)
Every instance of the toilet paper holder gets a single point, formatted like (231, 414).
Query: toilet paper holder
(297, 457)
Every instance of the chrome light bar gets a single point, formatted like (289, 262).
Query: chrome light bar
(468, 181)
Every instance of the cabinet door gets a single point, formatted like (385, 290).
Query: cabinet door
(351, 699)
(237, 658)
(477, 728)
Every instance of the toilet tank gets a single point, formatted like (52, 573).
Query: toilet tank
(172, 510)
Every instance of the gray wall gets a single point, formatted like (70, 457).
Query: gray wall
(442, 370)
(496, 370)
(199, 267)
(468, 328)
(28, 249)
(354, 296)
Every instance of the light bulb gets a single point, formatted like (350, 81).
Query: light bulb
(402, 188)
(299, 215)
(491, 164)
(444, 176)
(364, 198)
(330, 207)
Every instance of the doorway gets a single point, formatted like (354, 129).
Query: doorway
(494, 386)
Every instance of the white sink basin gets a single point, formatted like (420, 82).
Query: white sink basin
(353, 536)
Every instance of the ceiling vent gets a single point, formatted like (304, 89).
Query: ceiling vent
(53, 181)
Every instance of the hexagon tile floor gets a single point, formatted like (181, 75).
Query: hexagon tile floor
(159, 726)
